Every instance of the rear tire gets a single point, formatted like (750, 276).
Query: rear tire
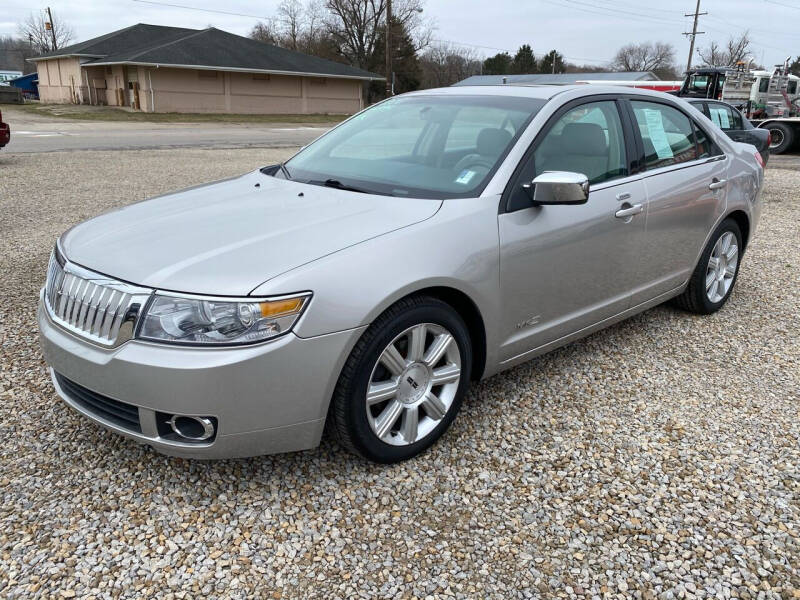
(783, 137)
(404, 381)
(713, 279)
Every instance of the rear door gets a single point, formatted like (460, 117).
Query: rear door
(685, 177)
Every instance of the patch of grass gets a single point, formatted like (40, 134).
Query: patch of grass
(109, 113)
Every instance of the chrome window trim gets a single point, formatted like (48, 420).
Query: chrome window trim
(684, 165)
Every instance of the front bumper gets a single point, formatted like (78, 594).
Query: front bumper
(267, 398)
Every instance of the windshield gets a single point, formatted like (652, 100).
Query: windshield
(424, 146)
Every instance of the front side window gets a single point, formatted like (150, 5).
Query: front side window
(588, 140)
(791, 87)
(763, 85)
(427, 146)
(667, 134)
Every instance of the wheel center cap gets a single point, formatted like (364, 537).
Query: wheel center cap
(413, 383)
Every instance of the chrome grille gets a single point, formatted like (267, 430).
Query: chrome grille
(91, 305)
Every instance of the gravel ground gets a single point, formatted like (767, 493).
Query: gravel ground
(657, 459)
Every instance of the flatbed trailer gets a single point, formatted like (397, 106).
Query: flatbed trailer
(784, 132)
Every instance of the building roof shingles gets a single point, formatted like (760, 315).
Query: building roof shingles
(207, 48)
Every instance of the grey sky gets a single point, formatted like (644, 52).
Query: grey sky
(585, 31)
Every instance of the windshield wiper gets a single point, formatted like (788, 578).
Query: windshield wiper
(285, 171)
(335, 183)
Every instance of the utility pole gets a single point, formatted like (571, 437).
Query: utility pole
(694, 33)
(52, 28)
(388, 48)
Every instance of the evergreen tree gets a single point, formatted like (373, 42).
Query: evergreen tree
(499, 64)
(524, 61)
(405, 65)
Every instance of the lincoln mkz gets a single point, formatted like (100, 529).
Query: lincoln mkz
(434, 239)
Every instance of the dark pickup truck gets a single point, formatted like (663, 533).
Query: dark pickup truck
(5, 132)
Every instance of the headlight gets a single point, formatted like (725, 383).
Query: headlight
(219, 321)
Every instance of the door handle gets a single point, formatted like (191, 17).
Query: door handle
(624, 213)
(717, 183)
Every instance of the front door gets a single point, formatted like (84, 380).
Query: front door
(565, 268)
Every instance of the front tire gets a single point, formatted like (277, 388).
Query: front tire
(404, 381)
(713, 279)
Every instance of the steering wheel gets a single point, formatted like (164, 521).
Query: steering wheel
(473, 160)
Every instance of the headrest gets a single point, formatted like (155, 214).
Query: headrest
(492, 142)
(586, 139)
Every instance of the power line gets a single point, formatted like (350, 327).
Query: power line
(626, 5)
(208, 10)
(783, 4)
(511, 51)
(606, 11)
(615, 10)
(471, 45)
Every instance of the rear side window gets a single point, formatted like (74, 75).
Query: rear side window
(725, 117)
(667, 134)
(791, 87)
(705, 147)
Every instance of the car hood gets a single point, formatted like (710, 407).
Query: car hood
(227, 237)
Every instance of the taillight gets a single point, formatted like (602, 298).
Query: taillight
(769, 138)
(759, 159)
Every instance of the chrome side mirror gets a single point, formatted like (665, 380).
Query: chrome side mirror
(559, 187)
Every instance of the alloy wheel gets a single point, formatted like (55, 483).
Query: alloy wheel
(721, 267)
(413, 384)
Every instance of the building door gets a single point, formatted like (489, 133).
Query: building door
(133, 87)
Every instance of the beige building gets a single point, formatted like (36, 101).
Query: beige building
(169, 69)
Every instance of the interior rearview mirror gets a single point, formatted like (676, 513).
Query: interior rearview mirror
(559, 187)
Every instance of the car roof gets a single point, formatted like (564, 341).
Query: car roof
(699, 100)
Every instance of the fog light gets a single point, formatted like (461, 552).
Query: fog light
(197, 429)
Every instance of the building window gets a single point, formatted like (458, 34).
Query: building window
(261, 76)
(207, 74)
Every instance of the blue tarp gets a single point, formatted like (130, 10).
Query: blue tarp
(29, 84)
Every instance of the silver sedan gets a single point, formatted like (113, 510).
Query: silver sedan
(436, 238)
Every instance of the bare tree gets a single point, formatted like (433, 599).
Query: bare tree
(445, 64)
(736, 50)
(315, 21)
(298, 27)
(645, 56)
(291, 17)
(264, 31)
(355, 25)
(15, 51)
(34, 28)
